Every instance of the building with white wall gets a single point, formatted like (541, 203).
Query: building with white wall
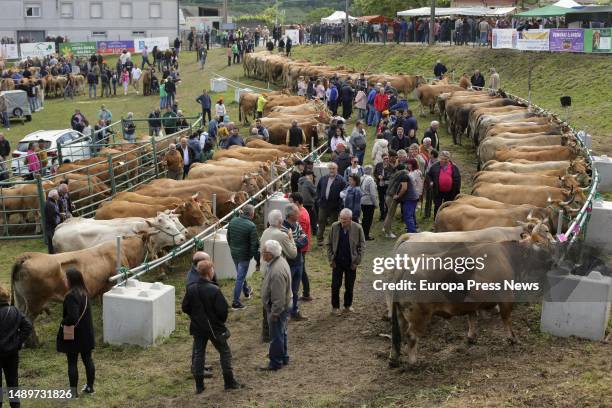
(89, 20)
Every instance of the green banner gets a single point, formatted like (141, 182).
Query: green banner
(79, 49)
(598, 40)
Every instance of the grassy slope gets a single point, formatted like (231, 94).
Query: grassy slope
(159, 376)
(583, 77)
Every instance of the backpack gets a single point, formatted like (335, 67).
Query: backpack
(394, 183)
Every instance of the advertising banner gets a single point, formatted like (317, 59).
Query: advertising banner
(294, 35)
(566, 40)
(9, 51)
(78, 49)
(39, 49)
(504, 38)
(532, 40)
(115, 47)
(161, 42)
(598, 40)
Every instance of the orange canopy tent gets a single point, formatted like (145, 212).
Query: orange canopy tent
(374, 19)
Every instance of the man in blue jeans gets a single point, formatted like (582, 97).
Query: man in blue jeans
(296, 265)
(244, 245)
(371, 110)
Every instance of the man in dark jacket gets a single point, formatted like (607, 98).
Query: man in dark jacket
(445, 180)
(432, 134)
(207, 308)
(234, 139)
(154, 122)
(343, 158)
(15, 328)
(347, 94)
(328, 198)
(5, 146)
(244, 246)
(400, 141)
(52, 218)
(187, 154)
(296, 265)
(66, 208)
(206, 103)
(295, 135)
(477, 80)
(439, 69)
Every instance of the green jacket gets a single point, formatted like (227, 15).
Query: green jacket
(162, 90)
(242, 239)
(169, 119)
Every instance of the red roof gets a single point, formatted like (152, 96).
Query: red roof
(374, 19)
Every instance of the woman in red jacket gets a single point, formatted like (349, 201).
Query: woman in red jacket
(381, 103)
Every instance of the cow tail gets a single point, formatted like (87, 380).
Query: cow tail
(240, 109)
(396, 335)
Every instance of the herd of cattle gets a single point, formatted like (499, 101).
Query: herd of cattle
(53, 85)
(154, 217)
(531, 168)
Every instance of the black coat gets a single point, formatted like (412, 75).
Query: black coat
(477, 81)
(15, 328)
(333, 202)
(205, 304)
(434, 175)
(52, 215)
(190, 152)
(433, 135)
(84, 339)
(5, 149)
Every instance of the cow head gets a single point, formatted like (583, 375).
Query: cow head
(249, 184)
(190, 213)
(167, 232)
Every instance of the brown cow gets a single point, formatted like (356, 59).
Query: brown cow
(539, 196)
(190, 213)
(37, 278)
(262, 144)
(538, 153)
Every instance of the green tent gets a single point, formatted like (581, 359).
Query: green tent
(548, 11)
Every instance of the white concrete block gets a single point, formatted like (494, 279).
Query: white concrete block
(599, 227)
(586, 138)
(218, 248)
(218, 85)
(240, 91)
(603, 164)
(276, 202)
(138, 313)
(579, 306)
(320, 170)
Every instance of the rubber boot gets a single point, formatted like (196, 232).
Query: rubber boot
(231, 383)
(199, 381)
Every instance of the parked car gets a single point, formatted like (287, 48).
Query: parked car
(17, 104)
(75, 146)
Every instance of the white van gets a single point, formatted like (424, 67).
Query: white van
(75, 146)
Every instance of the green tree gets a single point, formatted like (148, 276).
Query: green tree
(318, 13)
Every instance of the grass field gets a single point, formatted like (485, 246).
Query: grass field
(336, 361)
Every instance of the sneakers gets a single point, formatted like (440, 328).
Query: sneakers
(349, 309)
(88, 390)
(238, 306)
(335, 311)
(390, 235)
(249, 293)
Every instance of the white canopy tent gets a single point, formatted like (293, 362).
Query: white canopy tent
(337, 17)
(459, 11)
(568, 4)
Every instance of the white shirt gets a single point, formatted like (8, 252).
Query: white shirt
(185, 155)
(220, 109)
(136, 72)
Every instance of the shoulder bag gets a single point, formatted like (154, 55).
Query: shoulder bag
(69, 330)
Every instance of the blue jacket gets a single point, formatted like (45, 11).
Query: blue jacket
(234, 140)
(352, 201)
(401, 105)
(333, 94)
(333, 202)
(371, 97)
(205, 101)
(212, 129)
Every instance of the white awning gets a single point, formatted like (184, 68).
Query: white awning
(568, 4)
(337, 17)
(458, 11)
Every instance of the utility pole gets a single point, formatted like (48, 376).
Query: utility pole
(224, 11)
(432, 22)
(346, 21)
